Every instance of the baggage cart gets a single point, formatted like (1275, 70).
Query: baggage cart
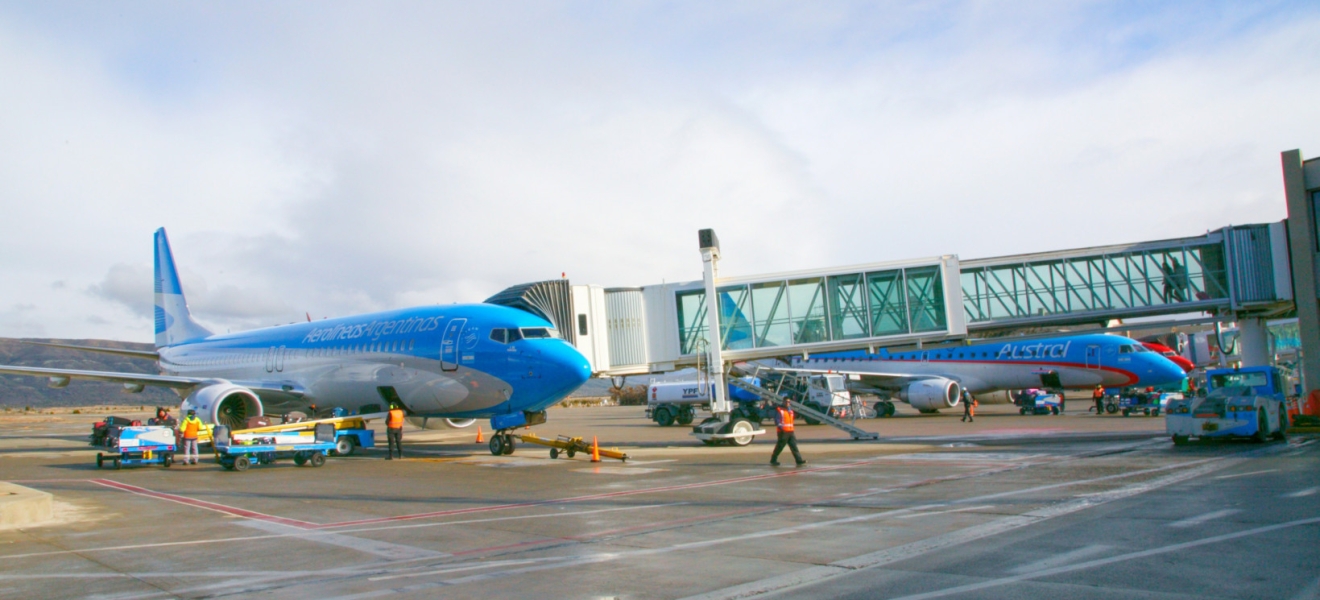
(238, 452)
(138, 445)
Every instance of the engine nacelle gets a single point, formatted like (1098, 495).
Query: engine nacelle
(435, 423)
(929, 395)
(223, 404)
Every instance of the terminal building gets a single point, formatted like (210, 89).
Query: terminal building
(1246, 274)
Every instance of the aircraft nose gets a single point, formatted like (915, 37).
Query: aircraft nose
(1166, 371)
(570, 368)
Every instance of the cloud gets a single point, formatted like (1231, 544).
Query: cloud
(354, 158)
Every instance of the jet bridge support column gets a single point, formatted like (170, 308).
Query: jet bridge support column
(1301, 186)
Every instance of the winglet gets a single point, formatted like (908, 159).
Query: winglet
(174, 322)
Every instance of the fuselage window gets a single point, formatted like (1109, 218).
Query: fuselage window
(498, 335)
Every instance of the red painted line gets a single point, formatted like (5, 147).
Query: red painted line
(220, 508)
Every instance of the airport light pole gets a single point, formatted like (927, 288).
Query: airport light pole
(710, 256)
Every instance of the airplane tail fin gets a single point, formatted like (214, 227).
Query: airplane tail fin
(174, 322)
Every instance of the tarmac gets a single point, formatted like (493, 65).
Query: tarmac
(1008, 506)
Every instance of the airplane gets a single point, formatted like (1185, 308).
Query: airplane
(931, 380)
(453, 362)
(1168, 353)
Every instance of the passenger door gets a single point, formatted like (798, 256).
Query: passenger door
(1093, 357)
(449, 344)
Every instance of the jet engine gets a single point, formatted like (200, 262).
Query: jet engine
(223, 404)
(432, 423)
(930, 395)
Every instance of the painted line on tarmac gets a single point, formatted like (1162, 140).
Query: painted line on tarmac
(315, 533)
(1303, 493)
(955, 538)
(962, 589)
(212, 506)
(1199, 519)
(945, 512)
(1247, 474)
(1062, 559)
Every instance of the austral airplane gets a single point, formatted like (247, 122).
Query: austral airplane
(933, 379)
(454, 362)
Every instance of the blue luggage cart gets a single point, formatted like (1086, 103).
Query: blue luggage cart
(236, 456)
(140, 445)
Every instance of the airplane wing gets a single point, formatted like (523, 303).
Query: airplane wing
(116, 351)
(130, 379)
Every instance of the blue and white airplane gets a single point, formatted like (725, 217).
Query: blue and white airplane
(440, 362)
(931, 380)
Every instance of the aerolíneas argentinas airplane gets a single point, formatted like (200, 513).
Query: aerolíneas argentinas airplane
(930, 380)
(444, 362)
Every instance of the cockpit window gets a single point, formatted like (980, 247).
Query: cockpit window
(1142, 349)
(499, 335)
(1125, 349)
(537, 333)
(514, 335)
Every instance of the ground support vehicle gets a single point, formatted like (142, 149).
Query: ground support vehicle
(670, 402)
(1032, 403)
(1149, 404)
(1246, 402)
(351, 431)
(237, 452)
(139, 445)
(571, 446)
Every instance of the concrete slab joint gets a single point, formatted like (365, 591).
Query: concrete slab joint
(21, 506)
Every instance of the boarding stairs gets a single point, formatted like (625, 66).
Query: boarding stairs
(788, 389)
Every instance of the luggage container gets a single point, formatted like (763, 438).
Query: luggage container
(138, 445)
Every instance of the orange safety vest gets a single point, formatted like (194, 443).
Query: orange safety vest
(191, 426)
(395, 421)
(785, 419)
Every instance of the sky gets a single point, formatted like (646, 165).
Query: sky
(330, 158)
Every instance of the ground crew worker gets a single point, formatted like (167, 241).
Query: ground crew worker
(784, 425)
(394, 431)
(969, 407)
(163, 418)
(188, 429)
(1099, 396)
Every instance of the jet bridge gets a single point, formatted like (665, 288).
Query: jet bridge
(1240, 270)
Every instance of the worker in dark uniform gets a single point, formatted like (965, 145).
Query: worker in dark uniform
(163, 418)
(1099, 396)
(394, 431)
(784, 425)
(969, 407)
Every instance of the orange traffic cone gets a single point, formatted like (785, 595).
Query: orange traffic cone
(480, 439)
(595, 450)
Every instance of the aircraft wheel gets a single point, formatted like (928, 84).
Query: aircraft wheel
(317, 459)
(664, 417)
(509, 444)
(497, 444)
(242, 462)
